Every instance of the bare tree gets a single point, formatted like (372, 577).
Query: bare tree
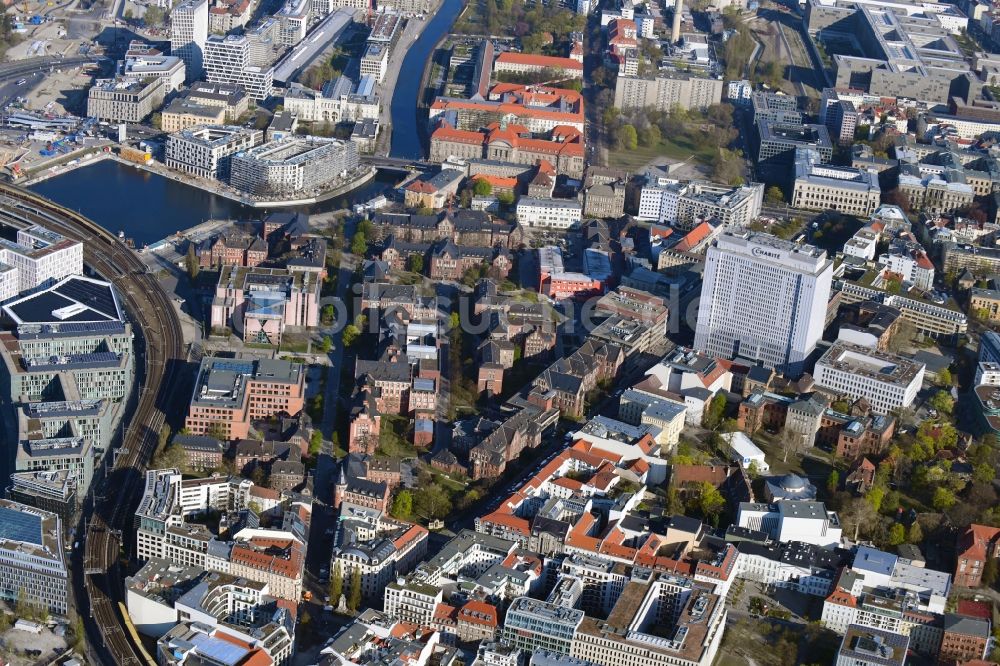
(791, 442)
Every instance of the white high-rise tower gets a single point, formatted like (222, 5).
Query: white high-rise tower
(763, 299)
(188, 34)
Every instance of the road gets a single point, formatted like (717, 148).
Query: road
(109, 508)
(30, 72)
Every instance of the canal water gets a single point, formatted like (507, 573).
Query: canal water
(406, 129)
(148, 207)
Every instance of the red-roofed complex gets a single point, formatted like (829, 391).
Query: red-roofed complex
(562, 147)
(523, 63)
(540, 109)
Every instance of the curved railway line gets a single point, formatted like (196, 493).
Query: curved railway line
(159, 350)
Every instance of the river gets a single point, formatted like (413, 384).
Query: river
(406, 127)
(148, 207)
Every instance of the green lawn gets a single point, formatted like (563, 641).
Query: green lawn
(678, 149)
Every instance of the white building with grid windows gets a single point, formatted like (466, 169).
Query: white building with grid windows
(763, 299)
(887, 381)
(32, 564)
(188, 34)
(233, 59)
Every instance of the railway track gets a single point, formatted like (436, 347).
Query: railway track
(159, 343)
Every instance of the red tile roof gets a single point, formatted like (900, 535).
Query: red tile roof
(546, 62)
(695, 236)
(478, 612)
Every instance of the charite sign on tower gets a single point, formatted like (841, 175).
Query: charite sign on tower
(762, 252)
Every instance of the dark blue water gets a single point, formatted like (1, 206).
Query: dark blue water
(148, 207)
(405, 128)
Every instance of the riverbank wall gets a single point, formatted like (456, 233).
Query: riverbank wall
(363, 178)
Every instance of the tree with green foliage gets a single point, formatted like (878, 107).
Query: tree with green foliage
(482, 187)
(506, 198)
(402, 505)
(710, 502)
(915, 535)
(192, 263)
(650, 136)
(833, 482)
(942, 402)
(326, 344)
(774, 195)
(336, 586)
(712, 417)
(944, 378)
(315, 443)
(79, 637)
(326, 314)
(983, 473)
(897, 534)
(354, 594)
(416, 262)
(359, 244)
(628, 138)
(350, 335)
(943, 499)
(431, 501)
(171, 456)
(875, 497)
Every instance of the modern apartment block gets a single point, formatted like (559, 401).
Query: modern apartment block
(32, 558)
(71, 342)
(229, 393)
(206, 150)
(54, 491)
(259, 303)
(188, 35)
(668, 90)
(375, 60)
(887, 381)
(38, 257)
(867, 646)
(235, 59)
(292, 166)
(692, 617)
(763, 299)
(169, 68)
(533, 625)
(125, 99)
(775, 146)
(680, 204)
(551, 213)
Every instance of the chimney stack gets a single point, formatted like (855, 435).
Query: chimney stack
(675, 32)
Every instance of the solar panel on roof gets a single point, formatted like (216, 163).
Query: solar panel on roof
(95, 296)
(19, 526)
(219, 650)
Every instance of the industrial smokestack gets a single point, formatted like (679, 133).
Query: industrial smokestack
(675, 32)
